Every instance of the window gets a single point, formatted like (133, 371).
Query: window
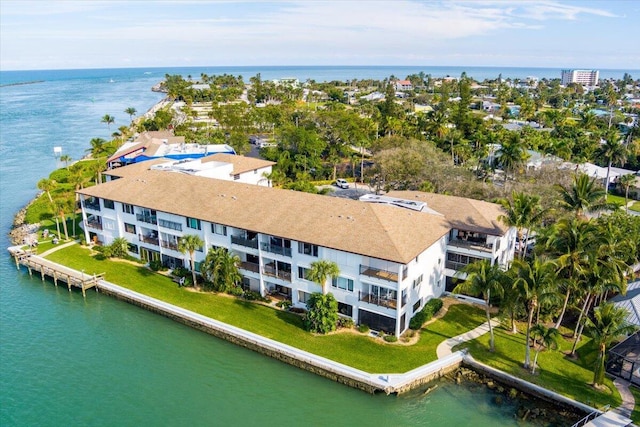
(236, 177)
(307, 249)
(302, 273)
(219, 229)
(133, 248)
(416, 306)
(130, 228)
(170, 224)
(193, 223)
(127, 208)
(343, 283)
(417, 281)
(109, 204)
(303, 297)
(345, 309)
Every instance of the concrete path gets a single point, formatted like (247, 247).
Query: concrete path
(628, 401)
(444, 349)
(58, 247)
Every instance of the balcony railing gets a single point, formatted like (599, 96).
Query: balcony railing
(95, 206)
(377, 300)
(250, 266)
(454, 265)
(377, 273)
(149, 219)
(149, 239)
(170, 224)
(276, 249)
(470, 244)
(94, 224)
(169, 245)
(280, 274)
(249, 243)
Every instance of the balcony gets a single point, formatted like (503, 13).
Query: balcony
(269, 270)
(377, 273)
(149, 239)
(478, 245)
(170, 224)
(276, 249)
(453, 265)
(249, 266)
(149, 219)
(95, 224)
(248, 243)
(379, 301)
(169, 245)
(93, 205)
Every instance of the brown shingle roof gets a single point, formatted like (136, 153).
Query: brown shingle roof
(378, 231)
(461, 212)
(241, 164)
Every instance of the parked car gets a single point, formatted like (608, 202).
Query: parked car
(341, 183)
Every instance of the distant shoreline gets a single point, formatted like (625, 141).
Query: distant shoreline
(23, 83)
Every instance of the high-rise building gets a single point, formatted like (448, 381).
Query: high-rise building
(583, 77)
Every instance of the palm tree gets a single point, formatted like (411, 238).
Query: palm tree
(535, 282)
(548, 339)
(321, 270)
(78, 180)
(512, 154)
(108, 120)
(66, 159)
(190, 243)
(220, 268)
(131, 112)
(523, 212)
(614, 151)
(97, 147)
(583, 195)
(96, 168)
(572, 241)
(625, 182)
(608, 324)
(48, 185)
(486, 279)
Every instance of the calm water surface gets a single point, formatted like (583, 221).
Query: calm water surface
(69, 361)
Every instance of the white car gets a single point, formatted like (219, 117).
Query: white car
(342, 183)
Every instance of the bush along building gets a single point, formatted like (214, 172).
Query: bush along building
(394, 252)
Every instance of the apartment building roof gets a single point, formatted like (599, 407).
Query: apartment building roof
(378, 231)
(461, 212)
(241, 164)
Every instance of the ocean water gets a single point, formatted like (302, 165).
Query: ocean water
(65, 360)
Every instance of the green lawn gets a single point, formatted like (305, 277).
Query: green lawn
(353, 349)
(556, 372)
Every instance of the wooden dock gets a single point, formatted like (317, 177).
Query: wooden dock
(46, 268)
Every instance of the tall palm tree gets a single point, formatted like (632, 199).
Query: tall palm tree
(190, 243)
(321, 270)
(97, 147)
(625, 182)
(131, 112)
(512, 154)
(614, 151)
(535, 282)
(486, 279)
(523, 211)
(48, 185)
(108, 120)
(548, 337)
(608, 324)
(66, 159)
(78, 180)
(220, 268)
(584, 194)
(572, 241)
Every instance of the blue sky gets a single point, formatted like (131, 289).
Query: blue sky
(53, 34)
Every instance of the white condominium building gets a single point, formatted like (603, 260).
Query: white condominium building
(394, 252)
(583, 77)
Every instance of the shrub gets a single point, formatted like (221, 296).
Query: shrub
(235, 291)
(427, 312)
(363, 328)
(254, 296)
(390, 338)
(60, 175)
(155, 265)
(285, 305)
(181, 272)
(297, 310)
(323, 313)
(345, 322)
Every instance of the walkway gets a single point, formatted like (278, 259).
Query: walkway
(444, 349)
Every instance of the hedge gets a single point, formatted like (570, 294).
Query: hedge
(427, 312)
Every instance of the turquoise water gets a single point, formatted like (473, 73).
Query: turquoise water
(66, 361)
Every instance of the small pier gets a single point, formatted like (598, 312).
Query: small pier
(57, 272)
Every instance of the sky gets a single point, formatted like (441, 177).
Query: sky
(68, 34)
